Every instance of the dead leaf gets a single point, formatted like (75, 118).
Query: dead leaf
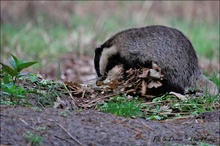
(156, 67)
(154, 74)
(180, 96)
(165, 109)
(99, 83)
(144, 74)
(155, 84)
(113, 85)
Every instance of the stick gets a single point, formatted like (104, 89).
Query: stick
(74, 102)
(70, 134)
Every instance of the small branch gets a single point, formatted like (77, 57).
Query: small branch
(74, 102)
(70, 135)
(23, 121)
(147, 127)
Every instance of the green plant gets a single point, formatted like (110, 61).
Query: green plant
(215, 80)
(15, 93)
(32, 138)
(15, 72)
(168, 106)
(121, 106)
(49, 92)
(65, 112)
(10, 75)
(204, 144)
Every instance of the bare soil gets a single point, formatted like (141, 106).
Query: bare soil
(93, 128)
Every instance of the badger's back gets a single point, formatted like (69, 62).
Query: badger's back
(167, 47)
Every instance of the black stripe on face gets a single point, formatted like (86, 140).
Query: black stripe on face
(98, 53)
(112, 62)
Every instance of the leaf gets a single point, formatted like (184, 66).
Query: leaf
(154, 117)
(178, 95)
(156, 67)
(25, 65)
(12, 62)
(8, 89)
(157, 99)
(9, 70)
(113, 84)
(23, 74)
(15, 59)
(165, 109)
(32, 77)
(22, 61)
(144, 74)
(158, 117)
(154, 74)
(155, 84)
(12, 88)
(19, 90)
(6, 79)
(99, 83)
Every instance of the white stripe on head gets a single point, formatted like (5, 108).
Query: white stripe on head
(106, 54)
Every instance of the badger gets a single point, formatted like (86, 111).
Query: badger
(168, 47)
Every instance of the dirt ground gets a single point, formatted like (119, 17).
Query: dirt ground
(93, 128)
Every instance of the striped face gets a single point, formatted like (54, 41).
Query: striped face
(103, 59)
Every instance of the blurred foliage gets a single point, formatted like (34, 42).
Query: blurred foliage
(42, 30)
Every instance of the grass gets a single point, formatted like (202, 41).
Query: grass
(215, 80)
(205, 40)
(204, 36)
(43, 45)
(32, 138)
(160, 108)
(47, 43)
(121, 106)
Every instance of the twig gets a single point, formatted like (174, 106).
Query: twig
(63, 139)
(70, 134)
(26, 123)
(83, 94)
(147, 127)
(110, 95)
(23, 121)
(74, 102)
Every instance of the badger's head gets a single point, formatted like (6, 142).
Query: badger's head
(105, 59)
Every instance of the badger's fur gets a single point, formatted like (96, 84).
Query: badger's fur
(167, 47)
